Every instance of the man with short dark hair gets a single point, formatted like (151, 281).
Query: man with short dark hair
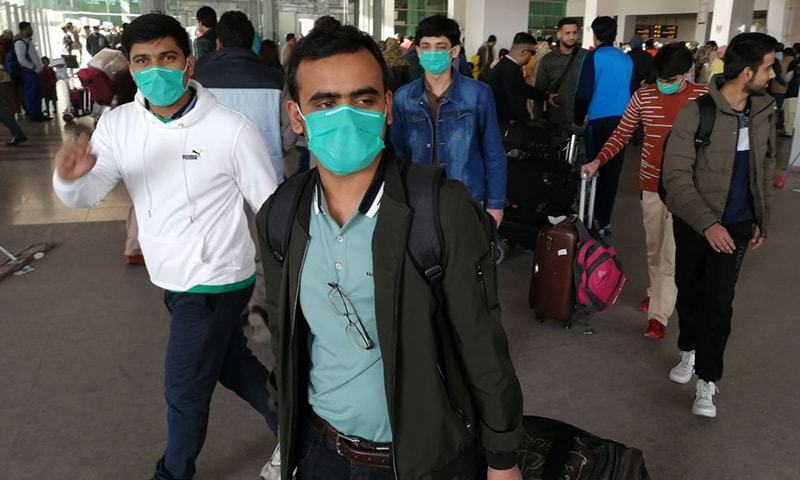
(240, 81)
(720, 195)
(486, 56)
(511, 91)
(206, 41)
(604, 88)
(189, 165)
(29, 64)
(367, 385)
(287, 49)
(468, 147)
(558, 75)
(96, 41)
(642, 61)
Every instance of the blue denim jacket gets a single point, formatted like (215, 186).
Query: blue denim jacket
(469, 142)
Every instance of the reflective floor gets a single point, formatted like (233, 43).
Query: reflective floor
(82, 341)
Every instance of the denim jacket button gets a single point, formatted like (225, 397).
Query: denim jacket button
(428, 145)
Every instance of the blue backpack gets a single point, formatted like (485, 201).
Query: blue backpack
(11, 63)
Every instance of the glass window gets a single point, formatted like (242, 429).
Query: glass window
(544, 16)
(408, 13)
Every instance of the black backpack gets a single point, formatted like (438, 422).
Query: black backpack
(702, 136)
(425, 246)
(554, 450)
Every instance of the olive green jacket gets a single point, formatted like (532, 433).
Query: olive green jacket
(429, 429)
(697, 181)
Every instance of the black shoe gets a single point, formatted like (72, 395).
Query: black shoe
(16, 141)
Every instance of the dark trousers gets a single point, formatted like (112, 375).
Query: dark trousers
(8, 120)
(319, 461)
(50, 99)
(597, 133)
(31, 95)
(706, 283)
(779, 99)
(206, 346)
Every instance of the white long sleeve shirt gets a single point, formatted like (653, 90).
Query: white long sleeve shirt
(188, 180)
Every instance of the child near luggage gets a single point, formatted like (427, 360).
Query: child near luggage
(48, 78)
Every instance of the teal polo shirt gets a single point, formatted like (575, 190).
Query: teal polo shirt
(346, 386)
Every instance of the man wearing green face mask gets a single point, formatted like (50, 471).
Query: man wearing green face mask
(655, 106)
(449, 120)
(357, 384)
(189, 165)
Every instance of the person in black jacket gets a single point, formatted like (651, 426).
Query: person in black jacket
(642, 62)
(511, 92)
(206, 42)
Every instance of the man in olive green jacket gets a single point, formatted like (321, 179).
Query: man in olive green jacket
(719, 195)
(361, 390)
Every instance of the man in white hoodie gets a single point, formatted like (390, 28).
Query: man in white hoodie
(189, 164)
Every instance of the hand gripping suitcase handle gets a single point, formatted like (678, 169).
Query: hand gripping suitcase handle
(582, 212)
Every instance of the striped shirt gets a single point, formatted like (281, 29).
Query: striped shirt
(656, 112)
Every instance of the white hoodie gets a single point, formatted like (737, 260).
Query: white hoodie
(187, 180)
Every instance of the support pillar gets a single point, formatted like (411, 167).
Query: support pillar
(502, 18)
(701, 29)
(731, 17)
(779, 19)
(589, 14)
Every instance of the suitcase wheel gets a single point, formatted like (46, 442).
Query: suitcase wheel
(67, 117)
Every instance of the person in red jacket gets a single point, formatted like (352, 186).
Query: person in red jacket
(49, 82)
(655, 106)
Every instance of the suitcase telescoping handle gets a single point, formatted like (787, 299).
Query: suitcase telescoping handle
(582, 212)
(572, 149)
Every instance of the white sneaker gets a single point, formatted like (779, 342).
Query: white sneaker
(705, 399)
(683, 371)
(272, 470)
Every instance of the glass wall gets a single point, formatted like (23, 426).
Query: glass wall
(408, 13)
(544, 16)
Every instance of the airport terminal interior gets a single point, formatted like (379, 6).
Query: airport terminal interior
(83, 334)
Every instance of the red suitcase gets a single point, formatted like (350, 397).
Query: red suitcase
(98, 83)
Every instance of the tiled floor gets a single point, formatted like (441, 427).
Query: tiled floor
(82, 341)
(26, 192)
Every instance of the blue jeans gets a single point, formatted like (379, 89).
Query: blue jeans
(206, 346)
(32, 95)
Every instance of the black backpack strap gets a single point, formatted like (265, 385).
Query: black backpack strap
(425, 236)
(708, 116)
(281, 213)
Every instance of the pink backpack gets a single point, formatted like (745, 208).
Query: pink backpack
(598, 273)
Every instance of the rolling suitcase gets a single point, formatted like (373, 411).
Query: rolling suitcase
(552, 289)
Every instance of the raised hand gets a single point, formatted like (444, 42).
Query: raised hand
(75, 159)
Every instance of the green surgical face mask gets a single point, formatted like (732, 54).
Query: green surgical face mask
(435, 62)
(345, 139)
(669, 88)
(161, 86)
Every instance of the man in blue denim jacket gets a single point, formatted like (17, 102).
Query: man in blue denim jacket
(448, 119)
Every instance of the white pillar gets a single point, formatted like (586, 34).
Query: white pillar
(779, 19)
(731, 17)
(626, 27)
(457, 10)
(589, 14)
(703, 19)
(387, 20)
(502, 18)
